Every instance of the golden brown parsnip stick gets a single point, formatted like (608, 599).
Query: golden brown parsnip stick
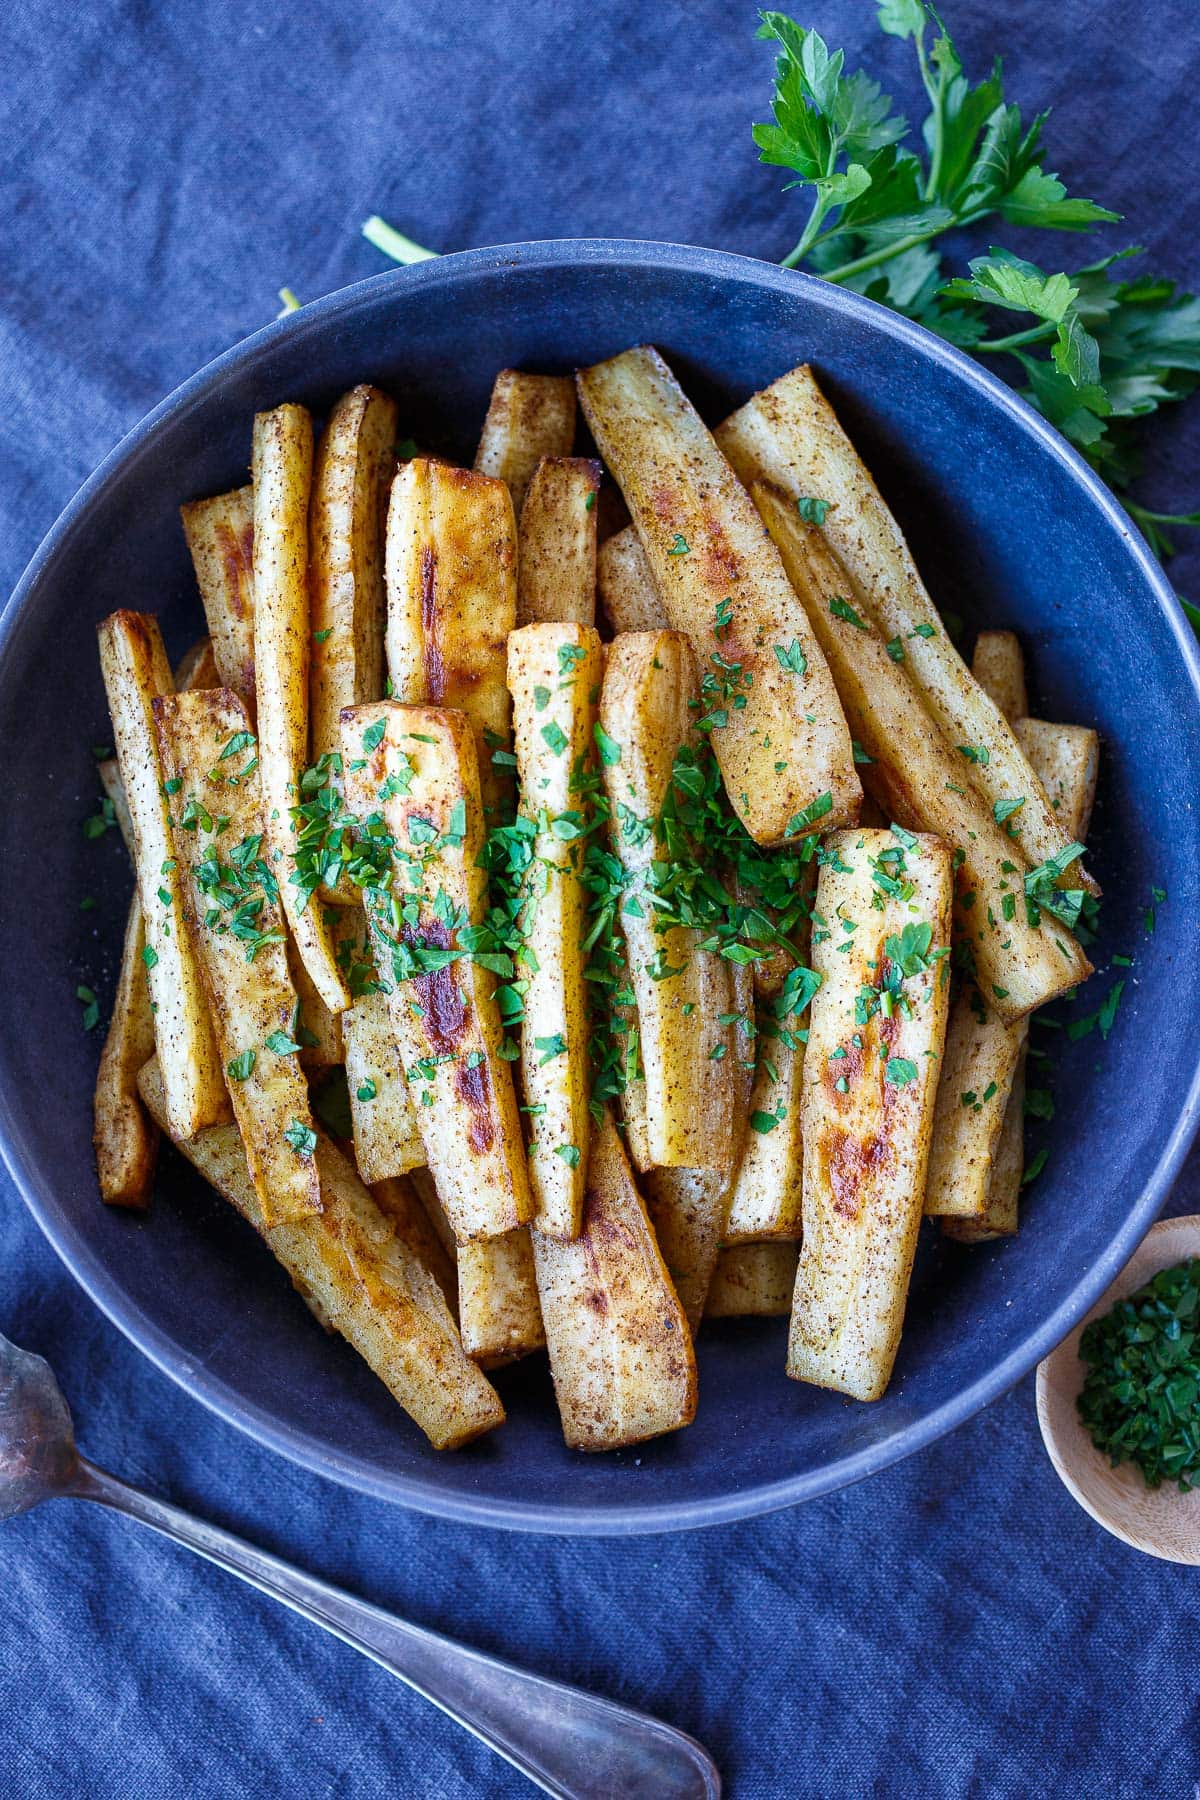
(452, 601)
(220, 536)
(398, 1201)
(978, 1070)
(554, 678)
(126, 1142)
(876, 1030)
(358, 1275)
(417, 767)
(681, 991)
(231, 904)
(920, 781)
(998, 665)
(978, 1158)
(628, 597)
(530, 416)
(999, 1214)
(766, 1194)
(387, 1141)
(688, 1209)
(125, 1139)
(498, 1299)
(1067, 760)
(135, 669)
(500, 1316)
(620, 1349)
(556, 560)
(777, 728)
(282, 480)
(789, 435)
(753, 1281)
(352, 475)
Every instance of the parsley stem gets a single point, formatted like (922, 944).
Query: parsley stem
(886, 252)
(1035, 334)
(393, 243)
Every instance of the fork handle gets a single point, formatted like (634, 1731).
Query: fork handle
(570, 1743)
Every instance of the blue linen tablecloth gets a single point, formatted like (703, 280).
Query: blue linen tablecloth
(956, 1626)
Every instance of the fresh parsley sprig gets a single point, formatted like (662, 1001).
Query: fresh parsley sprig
(1094, 352)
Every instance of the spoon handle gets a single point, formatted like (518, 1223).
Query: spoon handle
(570, 1743)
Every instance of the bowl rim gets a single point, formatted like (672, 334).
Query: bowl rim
(423, 1492)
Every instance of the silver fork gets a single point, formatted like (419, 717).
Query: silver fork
(570, 1743)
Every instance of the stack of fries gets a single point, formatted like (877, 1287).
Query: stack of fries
(644, 1013)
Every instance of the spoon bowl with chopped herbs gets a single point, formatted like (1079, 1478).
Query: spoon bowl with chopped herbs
(1119, 1400)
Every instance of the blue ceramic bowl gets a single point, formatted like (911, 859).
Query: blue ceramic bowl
(1009, 528)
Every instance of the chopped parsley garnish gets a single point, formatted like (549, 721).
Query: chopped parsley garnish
(610, 750)
(90, 1016)
(679, 545)
(1140, 1400)
(808, 815)
(812, 511)
(302, 1138)
(900, 1071)
(241, 1067)
(842, 609)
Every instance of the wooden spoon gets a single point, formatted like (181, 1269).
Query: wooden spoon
(1161, 1521)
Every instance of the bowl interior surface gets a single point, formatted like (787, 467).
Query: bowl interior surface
(1008, 530)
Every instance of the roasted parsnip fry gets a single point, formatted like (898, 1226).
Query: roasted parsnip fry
(423, 1186)
(620, 1349)
(920, 780)
(681, 991)
(352, 474)
(554, 678)
(999, 1215)
(974, 1091)
(109, 772)
(357, 1274)
(197, 667)
(688, 1209)
(387, 1141)
(498, 1299)
(220, 536)
(556, 559)
(780, 738)
(1067, 761)
(978, 1155)
(625, 586)
(530, 416)
(766, 1194)
(397, 1199)
(499, 1311)
(135, 668)
(417, 767)
(789, 435)
(230, 901)
(876, 1030)
(282, 478)
(998, 665)
(753, 1281)
(322, 1045)
(452, 600)
(125, 1140)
